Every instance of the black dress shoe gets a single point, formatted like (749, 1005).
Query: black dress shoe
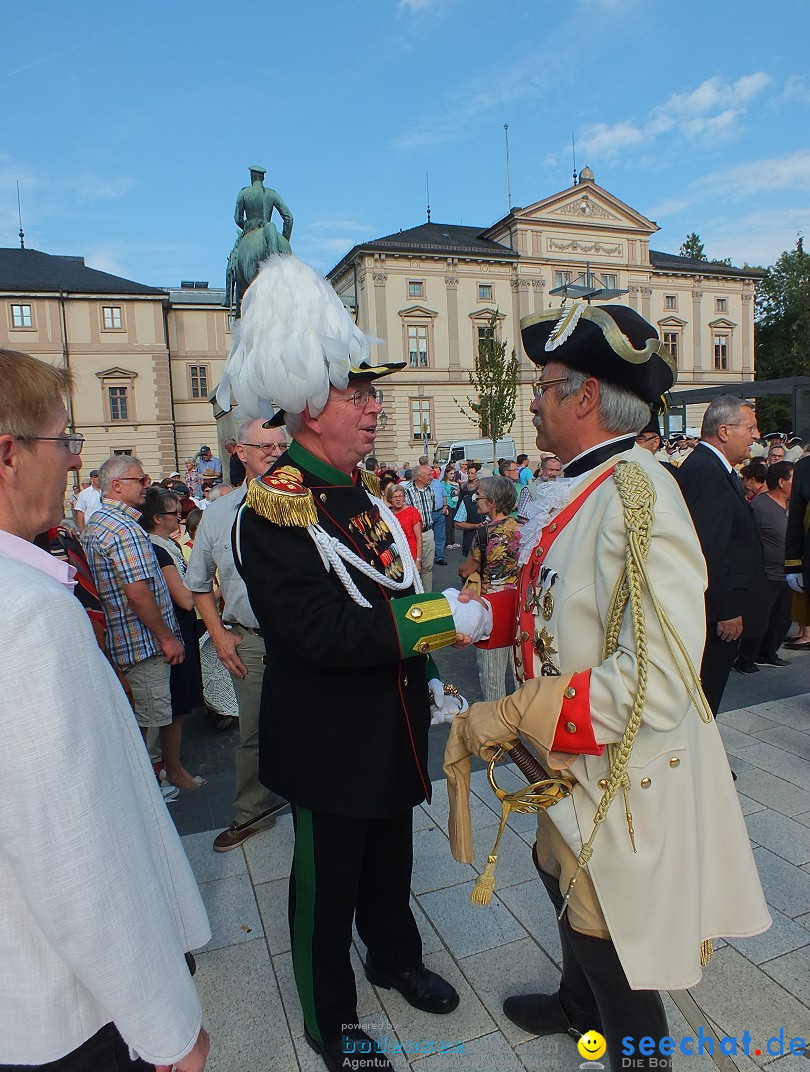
(420, 987)
(542, 1014)
(440, 562)
(745, 666)
(353, 1050)
(774, 660)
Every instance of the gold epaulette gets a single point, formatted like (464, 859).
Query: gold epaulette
(370, 482)
(281, 497)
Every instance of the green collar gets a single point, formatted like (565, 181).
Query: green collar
(301, 456)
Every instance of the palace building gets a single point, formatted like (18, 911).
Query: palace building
(147, 359)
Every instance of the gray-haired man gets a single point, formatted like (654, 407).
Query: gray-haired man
(237, 638)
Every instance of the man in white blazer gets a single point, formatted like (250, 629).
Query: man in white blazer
(98, 905)
(648, 859)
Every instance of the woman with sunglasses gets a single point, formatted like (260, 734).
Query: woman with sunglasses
(160, 517)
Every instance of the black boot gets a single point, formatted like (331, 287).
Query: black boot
(542, 1014)
(624, 1012)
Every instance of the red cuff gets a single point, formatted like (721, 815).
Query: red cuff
(504, 617)
(574, 728)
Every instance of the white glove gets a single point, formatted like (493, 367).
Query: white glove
(795, 582)
(444, 706)
(471, 619)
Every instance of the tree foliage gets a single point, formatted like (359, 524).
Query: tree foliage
(782, 329)
(693, 247)
(495, 380)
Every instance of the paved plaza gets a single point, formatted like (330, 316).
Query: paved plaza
(757, 985)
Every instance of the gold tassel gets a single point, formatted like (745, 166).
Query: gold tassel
(706, 951)
(370, 482)
(485, 883)
(287, 506)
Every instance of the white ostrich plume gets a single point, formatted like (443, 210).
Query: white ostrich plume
(295, 338)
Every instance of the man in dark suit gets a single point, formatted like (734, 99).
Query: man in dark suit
(725, 526)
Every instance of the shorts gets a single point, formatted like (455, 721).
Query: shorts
(149, 681)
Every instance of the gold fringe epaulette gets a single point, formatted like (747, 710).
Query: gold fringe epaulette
(281, 497)
(370, 482)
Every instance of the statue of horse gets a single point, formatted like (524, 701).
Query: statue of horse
(243, 263)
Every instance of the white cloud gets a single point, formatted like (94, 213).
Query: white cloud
(796, 89)
(753, 179)
(419, 5)
(94, 187)
(712, 111)
(758, 237)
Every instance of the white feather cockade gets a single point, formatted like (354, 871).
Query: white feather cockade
(295, 338)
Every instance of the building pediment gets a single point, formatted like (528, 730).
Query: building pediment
(672, 322)
(722, 322)
(486, 314)
(418, 310)
(116, 373)
(583, 205)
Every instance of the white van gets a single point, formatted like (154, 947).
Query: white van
(479, 449)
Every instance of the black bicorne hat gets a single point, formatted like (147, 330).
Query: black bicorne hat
(610, 342)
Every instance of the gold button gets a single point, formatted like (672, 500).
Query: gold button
(674, 762)
(539, 552)
(571, 727)
(570, 693)
(524, 635)
(415, 612)
(424, 646)
(553, 526)
(646, 783)
(602, 783)
(322, 497)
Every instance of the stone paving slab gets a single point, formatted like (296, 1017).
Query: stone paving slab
(757, 984)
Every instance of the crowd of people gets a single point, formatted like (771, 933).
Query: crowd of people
(589, 653)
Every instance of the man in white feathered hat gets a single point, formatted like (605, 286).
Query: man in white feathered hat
(346, 708)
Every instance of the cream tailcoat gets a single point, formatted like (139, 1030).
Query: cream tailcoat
(693, 875)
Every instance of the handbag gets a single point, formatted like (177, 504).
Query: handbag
(473, 583)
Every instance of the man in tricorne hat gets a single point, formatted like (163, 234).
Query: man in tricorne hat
(648, 858)
(348, 633)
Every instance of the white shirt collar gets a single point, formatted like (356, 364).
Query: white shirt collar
(727, 464)
(598, 446)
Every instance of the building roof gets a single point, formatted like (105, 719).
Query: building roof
(443, 239)
(671, 262)
(196, 295)
(27, 270)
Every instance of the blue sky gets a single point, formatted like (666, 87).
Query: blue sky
(131, 126)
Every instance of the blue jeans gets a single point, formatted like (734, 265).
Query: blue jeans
(439, 532)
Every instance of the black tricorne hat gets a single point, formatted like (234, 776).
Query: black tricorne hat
(610, 342)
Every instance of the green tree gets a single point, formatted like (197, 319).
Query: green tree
(693, 247)
(782, 330)
(495, 379)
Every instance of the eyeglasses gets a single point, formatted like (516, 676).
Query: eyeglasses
(142, 480)
(541, 385)
(362, 398)
(171, 513)
(267, 446)
(74, 442)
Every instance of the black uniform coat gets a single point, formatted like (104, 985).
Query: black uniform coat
(797, 537)
(344, 717)
(729, 539)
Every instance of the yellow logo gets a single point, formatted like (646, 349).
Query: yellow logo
(592, 1046)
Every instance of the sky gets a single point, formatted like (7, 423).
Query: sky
(131, 127)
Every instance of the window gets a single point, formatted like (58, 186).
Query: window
(119, 409)
(484, 334)
(485, 292)
(721, 352)
(416, 288)
(21, 316)
(198, 381)
(418, 345)
(123, 453)
(421, 418)
(671, 344)
(562, 279)
(721, 305)
(609, 280)
(670, 301)
(111, 317)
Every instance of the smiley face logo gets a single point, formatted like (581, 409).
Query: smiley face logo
(592, 1046)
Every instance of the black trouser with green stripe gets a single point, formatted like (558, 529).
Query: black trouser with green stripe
(344, 869)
